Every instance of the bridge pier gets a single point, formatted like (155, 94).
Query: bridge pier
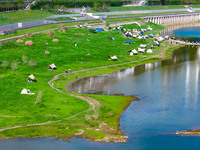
(173, 18)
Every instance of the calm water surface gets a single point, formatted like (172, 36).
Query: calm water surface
(169, 93)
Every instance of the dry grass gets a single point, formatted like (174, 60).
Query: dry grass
(51, 34)
(28, 35)
(19, 41)
(29, 43)
(55, 40)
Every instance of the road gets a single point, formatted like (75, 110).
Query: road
(43, 22)
(142, 12)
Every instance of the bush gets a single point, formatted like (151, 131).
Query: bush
(19, 41)
(51, 34)
(29, 43)
(55, 40)
(14, 65)
(5, 64)
(32, 63)
(24, 59)
(29, 35)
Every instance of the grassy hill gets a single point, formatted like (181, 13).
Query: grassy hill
(48, 104)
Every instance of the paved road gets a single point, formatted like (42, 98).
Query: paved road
(43, 22)
(142, 12)
(26, 24)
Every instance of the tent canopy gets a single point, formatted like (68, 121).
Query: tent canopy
(32, 77)
(99, 30)
(25, 91)
(52, 66)
(128, 41)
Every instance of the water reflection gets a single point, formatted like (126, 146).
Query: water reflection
(108, 84)
(190, 32)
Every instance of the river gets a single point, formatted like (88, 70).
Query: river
(169, 93)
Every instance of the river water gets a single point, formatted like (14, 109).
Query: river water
(169, 93)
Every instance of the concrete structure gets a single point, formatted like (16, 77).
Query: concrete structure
(171, 28)
(173, 18)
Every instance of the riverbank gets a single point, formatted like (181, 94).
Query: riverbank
(60, 113)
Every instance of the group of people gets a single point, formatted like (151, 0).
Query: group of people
(67, 71)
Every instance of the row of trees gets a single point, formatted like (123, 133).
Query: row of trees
(172, 2)
(9, 6)
(72, 4)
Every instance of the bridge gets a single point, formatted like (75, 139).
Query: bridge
(173, 18)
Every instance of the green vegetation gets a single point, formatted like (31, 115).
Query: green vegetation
(61, 19)
(154, 7)
(68, 112)
(24, 16)
(72, 4)
(146, 14)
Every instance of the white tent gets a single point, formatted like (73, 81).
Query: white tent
(52, 66)
(139, 37)
(131, 53)
(143, 46)
(134, 36)
(134, 51)
(160, 39)
(25, 91)
(149, 28)
(141, 50)
(113, 58)
(32, 77)
(149, 51)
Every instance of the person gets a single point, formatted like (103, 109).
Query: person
(75, 44)
(66, 70)
(69, 70)
(47, 44)
(76, 77)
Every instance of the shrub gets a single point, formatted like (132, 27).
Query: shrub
(24, 59)
(5, 64)
(28, 35)
(29, 43)
(51, 34)
(32, 63)
(14, 65)
(39, 98)
(19, 41)
(55, 40)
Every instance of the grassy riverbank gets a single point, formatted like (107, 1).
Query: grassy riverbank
(61, 113)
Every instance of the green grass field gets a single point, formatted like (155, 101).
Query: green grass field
(24, 16)
(155, 7)
(17, 109)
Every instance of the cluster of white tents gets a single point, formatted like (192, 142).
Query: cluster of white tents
(141, 50)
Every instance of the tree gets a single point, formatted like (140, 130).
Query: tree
(5, 64)
(24, 59)
(14, 65)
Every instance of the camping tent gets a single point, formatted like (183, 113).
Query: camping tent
(31, 78)
(134, 52)
(143, 46)
(52, 67)
(99, 30)
(141, 50)
(151, 35)
(149, 51)
(25, 91)
(114, 58)
(128, 41)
